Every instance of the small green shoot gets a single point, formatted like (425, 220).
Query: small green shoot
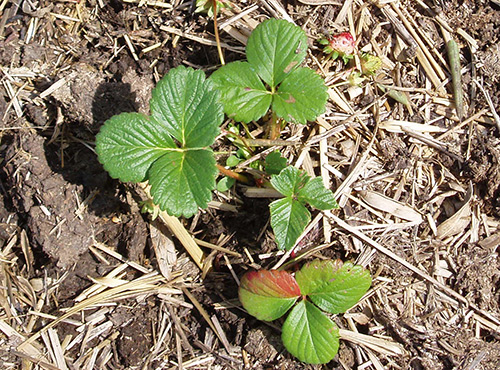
(308, 333)
(289, 215)
(171, 147)
(208, 6)
(275, 50)
(274, 163)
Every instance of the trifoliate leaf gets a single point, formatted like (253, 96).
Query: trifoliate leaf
(182, 181)
(315, 193)
(301, 97)
(274, 163)
(268, 294)
(129, 143)
(244, 95)
(289, 181)
(188, 106)
(309, 335)
(289, 218)
(134, 147)
(275, 48)
(332, 285)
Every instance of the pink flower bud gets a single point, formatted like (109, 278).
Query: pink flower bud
(343, 43)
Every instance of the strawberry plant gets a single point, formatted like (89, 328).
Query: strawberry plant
(171, 147)
(289, 216)
(330, 286)
(272, 78)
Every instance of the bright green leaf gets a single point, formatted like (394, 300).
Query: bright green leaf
(289, 181)
(315, 193)
(186, 103)
(182, 181)
(268, 294)
(243, 94)
(332, 285)
(232, 161)
(289, 218)
(274, 163)
(129, 143)
(301, 96)
(309, 335)
(275, 48)
(225, 184)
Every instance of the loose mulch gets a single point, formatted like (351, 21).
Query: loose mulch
(89, 282)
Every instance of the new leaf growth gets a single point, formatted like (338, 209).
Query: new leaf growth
(331, 286)
(289, 215)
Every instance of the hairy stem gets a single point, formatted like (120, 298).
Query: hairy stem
(230, 173)
(216, 30)
(274, 127)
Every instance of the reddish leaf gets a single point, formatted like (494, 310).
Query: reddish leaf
(268, 294)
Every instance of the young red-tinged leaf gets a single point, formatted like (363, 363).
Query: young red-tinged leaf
(268, 294)
(309, 335)
(332, 285)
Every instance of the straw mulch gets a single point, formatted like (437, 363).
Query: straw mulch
(87, 282)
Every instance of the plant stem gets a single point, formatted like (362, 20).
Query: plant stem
(274, 127)
(216, 31)
(230, 173)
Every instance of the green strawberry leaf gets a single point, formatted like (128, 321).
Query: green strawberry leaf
(268, 294)
(275, 48)
(309, 335)
(332, 285)
(274, 163)
(186, 103)
(315, 193)
(301, 96)
(183, 181)
(170, 148)
(244, 95)
(225, 184)
(232, 161)
(129, 143)
(289, 218)
(289, 181)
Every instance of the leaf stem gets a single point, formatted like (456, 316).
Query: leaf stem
(274, 127)
(216, 31)
(230, 173)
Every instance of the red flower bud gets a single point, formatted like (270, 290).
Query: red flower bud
(343, 43)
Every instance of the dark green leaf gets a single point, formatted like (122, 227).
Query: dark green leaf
(188, 106)
(129, 143)
(274, 163)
